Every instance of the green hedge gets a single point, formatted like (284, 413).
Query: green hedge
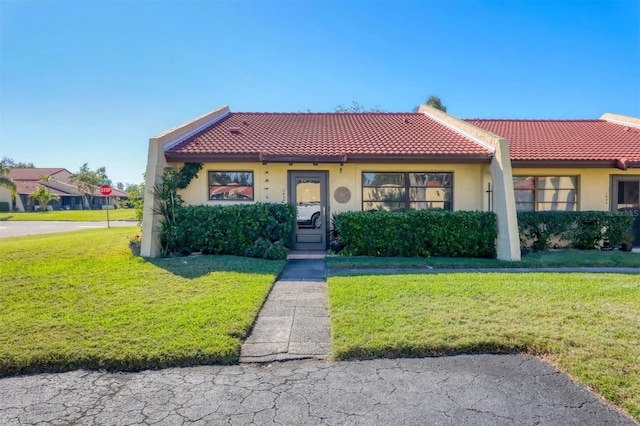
(583, 230)
(417, 233)
(257, 230)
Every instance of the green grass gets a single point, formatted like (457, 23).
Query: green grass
(71, 215)
(587, 324)
(553, 258)
(80, 299)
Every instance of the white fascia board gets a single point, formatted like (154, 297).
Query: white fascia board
(167, 146)
(463, 133)
(623, 123)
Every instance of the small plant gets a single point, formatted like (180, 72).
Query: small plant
(136, 240)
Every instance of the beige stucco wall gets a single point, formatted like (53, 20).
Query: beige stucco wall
(594, 185)
(468, 192)
(156, 163)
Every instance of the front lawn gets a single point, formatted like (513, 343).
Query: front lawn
(80, 299)
(71, 215)
(549, 259)
(588, 324)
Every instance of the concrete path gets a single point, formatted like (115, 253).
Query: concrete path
(20, 228)
(457, 390)
(294, 321)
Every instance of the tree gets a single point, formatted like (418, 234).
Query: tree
(43, 196)
(434, 101)
(6, 181)
(8, 162)
(88, 181)
(357, 107)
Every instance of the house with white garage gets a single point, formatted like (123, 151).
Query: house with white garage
(325, 163)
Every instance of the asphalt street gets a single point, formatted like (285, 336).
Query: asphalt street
(20, 228)
(456, 390)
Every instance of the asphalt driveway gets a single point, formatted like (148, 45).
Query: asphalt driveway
(20, 228)
(456, 390)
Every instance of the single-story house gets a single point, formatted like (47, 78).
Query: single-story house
(27, 180)
(326, 163)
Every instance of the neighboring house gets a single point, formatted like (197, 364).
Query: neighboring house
(325, 163)
(29, 179)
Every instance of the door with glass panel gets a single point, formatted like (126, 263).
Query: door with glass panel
(626, 199)
(307, 193)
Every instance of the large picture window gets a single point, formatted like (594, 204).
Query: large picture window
(406, 191)
(231, 185)
(546, 193)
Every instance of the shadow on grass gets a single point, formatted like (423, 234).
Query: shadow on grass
(199, 266)
(477, 348)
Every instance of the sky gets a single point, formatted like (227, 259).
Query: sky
(91, 81)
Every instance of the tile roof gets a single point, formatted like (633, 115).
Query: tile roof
(33, 173)
(324, 135)
(566, 140)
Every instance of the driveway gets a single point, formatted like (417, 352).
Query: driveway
(20, 228)
(456, 390)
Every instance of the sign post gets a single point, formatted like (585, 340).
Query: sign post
(105, 189)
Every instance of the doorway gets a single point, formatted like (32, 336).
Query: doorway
(308, 195)
(626, 199)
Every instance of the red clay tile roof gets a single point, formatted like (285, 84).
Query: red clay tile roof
(566, 140)
(327, 135)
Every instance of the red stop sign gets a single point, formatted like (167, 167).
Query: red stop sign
(105, 189)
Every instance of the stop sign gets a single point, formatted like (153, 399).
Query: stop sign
(105, 189)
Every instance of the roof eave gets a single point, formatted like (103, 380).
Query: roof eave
(329, 159)
(587, 164)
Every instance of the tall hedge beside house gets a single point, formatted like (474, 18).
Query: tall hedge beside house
(234, 229)
(417, 233)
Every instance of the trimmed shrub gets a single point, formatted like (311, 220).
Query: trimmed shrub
(417, 233)
(583, 230)
(258, 230)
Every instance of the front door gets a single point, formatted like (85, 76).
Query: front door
(307, 193)
(626, 199)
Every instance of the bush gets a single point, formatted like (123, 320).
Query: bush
(584, 230)
(417, 233)
(258, 230)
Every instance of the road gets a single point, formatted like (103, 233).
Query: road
(20, 228)
(457, 390)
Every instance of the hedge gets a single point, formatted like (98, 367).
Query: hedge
(585, 230)
(417, 233)
(258, 230)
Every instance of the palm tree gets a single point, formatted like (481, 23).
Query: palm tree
(43, 196)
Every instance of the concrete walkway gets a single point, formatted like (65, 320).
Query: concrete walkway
(294, 320)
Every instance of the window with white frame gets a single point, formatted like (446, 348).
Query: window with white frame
(546, 193)
(407, 191)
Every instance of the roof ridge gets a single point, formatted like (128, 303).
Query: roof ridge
(536, 119)
(326, 113)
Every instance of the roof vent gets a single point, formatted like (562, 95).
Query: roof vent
(234, 130)
(406, 120)
(245, 122)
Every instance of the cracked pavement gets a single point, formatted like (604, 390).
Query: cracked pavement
(455, 390)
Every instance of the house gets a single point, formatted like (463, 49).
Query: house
(57, 180)
(325, 163)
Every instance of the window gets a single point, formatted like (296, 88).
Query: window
(407, 191)
(546, 193)
(231, 185)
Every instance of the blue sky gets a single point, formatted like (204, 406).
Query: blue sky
(91, 81)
